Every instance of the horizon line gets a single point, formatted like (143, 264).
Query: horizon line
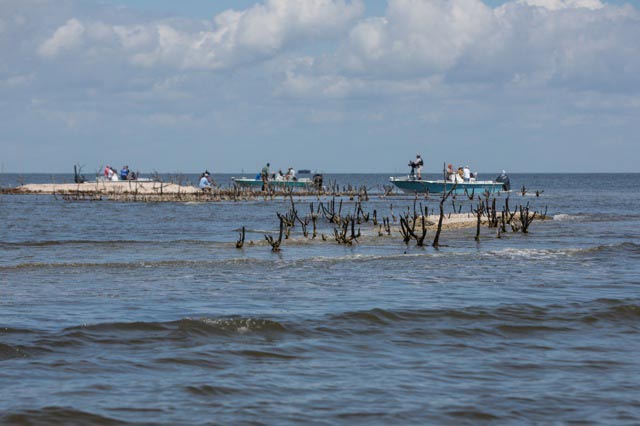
(326, 172)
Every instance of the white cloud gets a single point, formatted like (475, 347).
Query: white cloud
(266, 28)
(17, 81)
(577, 44)
(66, 37)
(564, 4)
(416, 36)
(235, 37)
(523, 43)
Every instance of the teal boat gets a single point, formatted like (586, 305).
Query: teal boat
(411, 185)
(257, 183)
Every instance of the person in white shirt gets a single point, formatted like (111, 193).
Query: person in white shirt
(418, 165)
(466, 173)
(291, 174)
(113, 175)
(204, 183)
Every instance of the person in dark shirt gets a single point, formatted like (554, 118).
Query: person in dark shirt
(265, 176)
(124, 173)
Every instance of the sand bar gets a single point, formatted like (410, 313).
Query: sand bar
(107, 188)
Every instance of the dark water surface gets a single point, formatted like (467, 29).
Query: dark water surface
(136, 313)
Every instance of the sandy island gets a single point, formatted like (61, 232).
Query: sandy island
(107, 188)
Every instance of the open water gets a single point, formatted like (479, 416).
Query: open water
(132, 313)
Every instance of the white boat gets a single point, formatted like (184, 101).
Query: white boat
(411, 184)
(257, 183)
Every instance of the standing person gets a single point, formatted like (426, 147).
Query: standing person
(466, 173)
(124, 173)
(265, 176)
(106, 171)
(418, 165)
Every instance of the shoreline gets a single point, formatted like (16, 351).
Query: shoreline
(156, 191)
(103, 188)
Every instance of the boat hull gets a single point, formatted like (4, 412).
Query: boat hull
(412, 186)
(253, 183)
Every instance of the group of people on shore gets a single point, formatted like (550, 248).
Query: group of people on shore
(112, 174)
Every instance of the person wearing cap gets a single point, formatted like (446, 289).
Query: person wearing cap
(450, 173)
(418, 165)
(204, 183)
(209, 177)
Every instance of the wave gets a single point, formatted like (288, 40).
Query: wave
(139, 264)
(459, 323)
(517, 318)
(8, 352)
(473, 415)
(9, 330)
(231, 325)
(255, 354)
(623, 248)
(596, 217)
(505, 253)
(119, 326)
(57, 415)
(208, 390)
(519, 253)
(47, 243)
(614, 310)
(225, 261)
(565, 217)
(191, 330)
(185, 326)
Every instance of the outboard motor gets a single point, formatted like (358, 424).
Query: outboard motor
(504, 180)
(317, 181)
(77, 177)
(412, 173)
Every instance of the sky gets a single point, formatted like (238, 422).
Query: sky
(326, 85)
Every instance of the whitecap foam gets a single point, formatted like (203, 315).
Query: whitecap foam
(523, 253)
(563, 216)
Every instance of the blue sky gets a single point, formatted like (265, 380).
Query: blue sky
(331, 85)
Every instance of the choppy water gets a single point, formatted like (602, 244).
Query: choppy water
(132, 313)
